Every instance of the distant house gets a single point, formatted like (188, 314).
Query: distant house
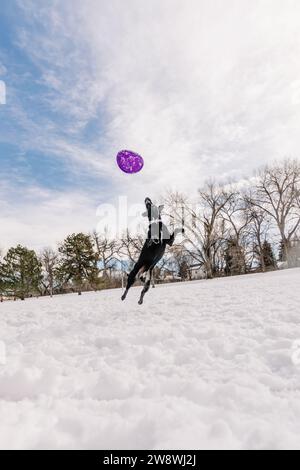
(171, 278)
(8, 295)
(282, 265)
(293, 255)
(295, 252)
(197, 272)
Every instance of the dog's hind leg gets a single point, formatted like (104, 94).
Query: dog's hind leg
(146, 287)
(142, 275)
(131, 278)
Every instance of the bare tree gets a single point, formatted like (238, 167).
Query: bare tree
(237, 219)
(182, 261)
(203, 224)
(209, 225)
(259, 228)
(49, 260)
(106, 250)
(278, 194)
(131, 246)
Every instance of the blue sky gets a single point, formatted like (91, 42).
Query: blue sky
(200, 88)
(29, 115)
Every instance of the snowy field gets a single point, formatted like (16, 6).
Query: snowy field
(200, 365)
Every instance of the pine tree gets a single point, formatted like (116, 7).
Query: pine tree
(281, 254)
(78, 262)
(21, 272)
(234, 258)
(184, 270)
(2, 283)
(268, 256)
(284, 251)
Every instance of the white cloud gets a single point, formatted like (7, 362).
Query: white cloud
(37, 217)
(3, 70)
(200, 88)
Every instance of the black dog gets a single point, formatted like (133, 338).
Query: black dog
(153, 250)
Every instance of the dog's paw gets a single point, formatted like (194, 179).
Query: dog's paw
(141, 302)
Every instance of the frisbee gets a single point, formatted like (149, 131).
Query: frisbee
(130, 162)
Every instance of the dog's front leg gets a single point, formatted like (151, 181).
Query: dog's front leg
(124, 295)
(146, 287)
(132, 277)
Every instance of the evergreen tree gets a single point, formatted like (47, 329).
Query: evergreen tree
(234, 258)
(184, 271)
(21, 272)
(2, 283)
(78, 262)
(281, 254)
(268, 256)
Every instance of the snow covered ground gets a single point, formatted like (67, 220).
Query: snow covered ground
(201, 365)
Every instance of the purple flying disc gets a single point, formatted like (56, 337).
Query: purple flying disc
(130, 162)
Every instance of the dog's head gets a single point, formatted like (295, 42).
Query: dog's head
(153, 212)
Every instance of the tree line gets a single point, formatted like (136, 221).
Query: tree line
(230, 229)
(238, 228)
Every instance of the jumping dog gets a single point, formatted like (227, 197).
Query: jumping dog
(153, 250)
